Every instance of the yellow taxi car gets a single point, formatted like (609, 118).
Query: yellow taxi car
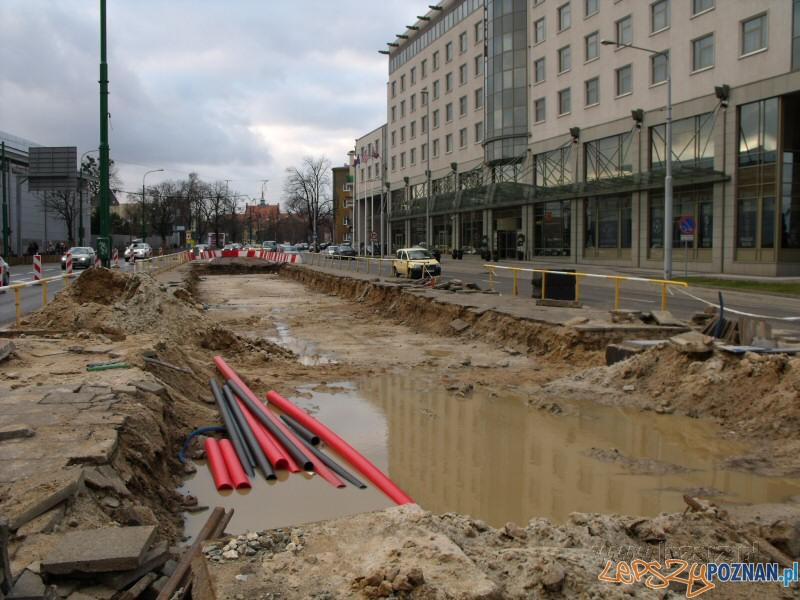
(414, 263)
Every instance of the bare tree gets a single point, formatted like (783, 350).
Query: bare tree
(307, 189)
(163, 208)
(63, 203)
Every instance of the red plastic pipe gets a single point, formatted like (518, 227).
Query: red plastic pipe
(217, 465)
(232, 464)
(319, 468)
(290, 464)
(345, 450)
(274, 453)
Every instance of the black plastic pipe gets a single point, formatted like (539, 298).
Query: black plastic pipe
(298, 455)
(301, 431)
(247, 451)
(231, 426)
(259, 455)
(333, 465)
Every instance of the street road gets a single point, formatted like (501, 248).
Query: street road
(31, 297)
(599, 293)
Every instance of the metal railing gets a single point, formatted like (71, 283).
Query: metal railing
(617, 279)
(18, 287)
(160, 264)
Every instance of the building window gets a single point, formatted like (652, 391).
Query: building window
(703, 52)
(448, 143)
(462, 106)
(436, 118)
(539, 114)
(462, 74)
(625, 30)
(539, 31)
(402, 83)
(402, 108)
(413, 75)
(659, 15)
(394, 163)
(394, 139)
(591, 7)
(462, 138)
(592, 91)
(538, 70)
(551, 228)
(412, 155)
(423, 152)
(394, 113)
(697, 204)
(479, 98)
(624, 80)
(592, 46)
(564, 59)
(448, 52)
(754, 34)
(607, 158)
(369, 172)
(756, 184)
(423, 68)
(554, 168)
(564, 17)
(436, 60)
(423, 124)
(608, 222)
(462, 42)
(448, 112)
(403, 134)
(413, 129)
(413, 102)
(402, 160)
(692, 143)
(478, 131)
(699, 6)
(478, 31)
(564, 102)
(448, 82)
(659, 67)
(436, 90)
(479, 65)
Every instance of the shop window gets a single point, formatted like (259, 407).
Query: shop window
(608, 157)
(554, 168)
(696, 203)
(692, 143)
(608, 222)
(551, 228)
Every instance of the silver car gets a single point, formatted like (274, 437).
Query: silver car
(6, 272)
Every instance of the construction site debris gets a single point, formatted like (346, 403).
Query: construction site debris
(99, 550)
(459, 325)
(33, 496)
(692, 342)
(7, 347)
(16, 431)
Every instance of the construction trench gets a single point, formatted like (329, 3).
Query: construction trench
(530, 462)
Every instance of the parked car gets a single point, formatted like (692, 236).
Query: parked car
(323, 245)
(346, 251)
(330, 250)
(302, 246)
(199, 249)
(270, 246)
(82, 258)
(412, 263)
(6, 272)
(288, 249)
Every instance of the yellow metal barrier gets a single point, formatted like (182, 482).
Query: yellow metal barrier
(43, 283)
(617, 279)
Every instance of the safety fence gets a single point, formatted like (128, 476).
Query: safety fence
(366, 264)
(616, 279)
(281, 257)
(160, 264)
(43, 283)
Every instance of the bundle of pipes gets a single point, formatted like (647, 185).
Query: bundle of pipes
(289, 442)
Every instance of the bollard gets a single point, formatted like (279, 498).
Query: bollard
(37, 267)
(44, 292)
(18, 305)
(616, 293)
(663, 296)
(115, 255)
(69, 263)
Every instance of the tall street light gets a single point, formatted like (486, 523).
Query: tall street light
(424, 94)
(668, 224)
(144, 233)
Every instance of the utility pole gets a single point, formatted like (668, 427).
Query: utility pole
(104, 242)
(4, 187)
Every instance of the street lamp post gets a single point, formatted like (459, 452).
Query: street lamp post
(668, 204)
(144, 233)
(426, 97)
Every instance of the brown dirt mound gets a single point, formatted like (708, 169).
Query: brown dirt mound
(103, 286)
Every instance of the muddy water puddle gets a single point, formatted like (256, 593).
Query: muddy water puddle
(497, 459)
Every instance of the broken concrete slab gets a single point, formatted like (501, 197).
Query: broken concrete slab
(618, 352)
(105, 478)
(665, 319)
(31, 497)
(150, 387)
(558, 303)
(152, 561)
(99, 550)
(12, 432)
(7, 347)
(29, 586)
(68, 397)
(44, 523)
(574, 321)
(459, 325)
(692, 342)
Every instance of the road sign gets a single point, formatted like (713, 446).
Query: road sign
(687, 227)
(53, 168)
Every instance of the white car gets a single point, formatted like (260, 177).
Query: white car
(6, 272)
(141, 251)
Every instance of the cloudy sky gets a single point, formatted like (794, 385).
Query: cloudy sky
(231, 89)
